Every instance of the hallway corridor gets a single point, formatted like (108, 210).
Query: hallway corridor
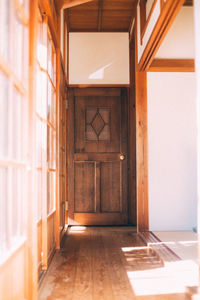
(108, 263)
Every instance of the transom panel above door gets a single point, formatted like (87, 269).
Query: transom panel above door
(97, 162)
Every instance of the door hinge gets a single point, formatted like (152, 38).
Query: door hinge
(66, 104)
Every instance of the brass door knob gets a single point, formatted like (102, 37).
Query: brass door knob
(122, 157)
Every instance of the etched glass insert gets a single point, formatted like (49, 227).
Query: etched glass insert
(97, 124)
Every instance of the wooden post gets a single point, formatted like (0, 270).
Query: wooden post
(57, 134)
(141, 143)
(142, 151)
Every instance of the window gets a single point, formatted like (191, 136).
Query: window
(46, 118)
(13, 116)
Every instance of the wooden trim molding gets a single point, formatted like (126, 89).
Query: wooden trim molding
(162, 3)
(63, 4)
(143, 16)
(165, 20)
(148, 19)
(97, 85)
(49, 10)
(172, 65)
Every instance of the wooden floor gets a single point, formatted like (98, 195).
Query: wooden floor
(105, 263)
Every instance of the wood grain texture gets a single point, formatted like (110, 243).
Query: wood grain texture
(98, 193)
(172, 65)
(98, 15)
(132, 204)
(168, 13)
(95, 264)
(63, 4)
(110, 181)
(142, 152)
(84, 194)
(70, 157)
(97, 92)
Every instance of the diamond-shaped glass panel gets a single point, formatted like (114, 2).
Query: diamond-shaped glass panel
(98, 124)
(97, 127)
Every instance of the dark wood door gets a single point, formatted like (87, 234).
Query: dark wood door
(97, 161)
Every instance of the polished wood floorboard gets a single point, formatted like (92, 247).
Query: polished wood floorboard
(96, 262)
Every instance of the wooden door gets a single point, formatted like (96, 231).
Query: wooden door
(97, 161)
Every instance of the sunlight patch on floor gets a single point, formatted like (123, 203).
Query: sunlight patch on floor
(77, 229)
(183, 243)
(130, 249)
(172, 278)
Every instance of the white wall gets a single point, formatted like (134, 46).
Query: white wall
(172, 151)
(179, 41)
(98, 58)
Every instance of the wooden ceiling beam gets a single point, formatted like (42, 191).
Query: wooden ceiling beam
(63, 4)
(188, 3)
(100, 15)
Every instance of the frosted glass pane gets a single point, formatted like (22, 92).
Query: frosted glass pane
(4, 28)
(39, 195)
(51, 148)
(54, 68)
(25, 76)
(3, 209)
(49, 106)
(49, 55)
(54, 108)
(18, 47)
(25, 4)
(24, 129)
(39, 91)
(15, 203)
(3, 115)
(16, 125)
(54, 149)
(39, 143)
(49, 142)
(48, 192)
(51, 191)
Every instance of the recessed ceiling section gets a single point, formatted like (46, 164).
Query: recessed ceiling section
(101, 15)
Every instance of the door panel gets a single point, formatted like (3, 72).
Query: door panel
(84, 187)
(110, 183)
(97, 178)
